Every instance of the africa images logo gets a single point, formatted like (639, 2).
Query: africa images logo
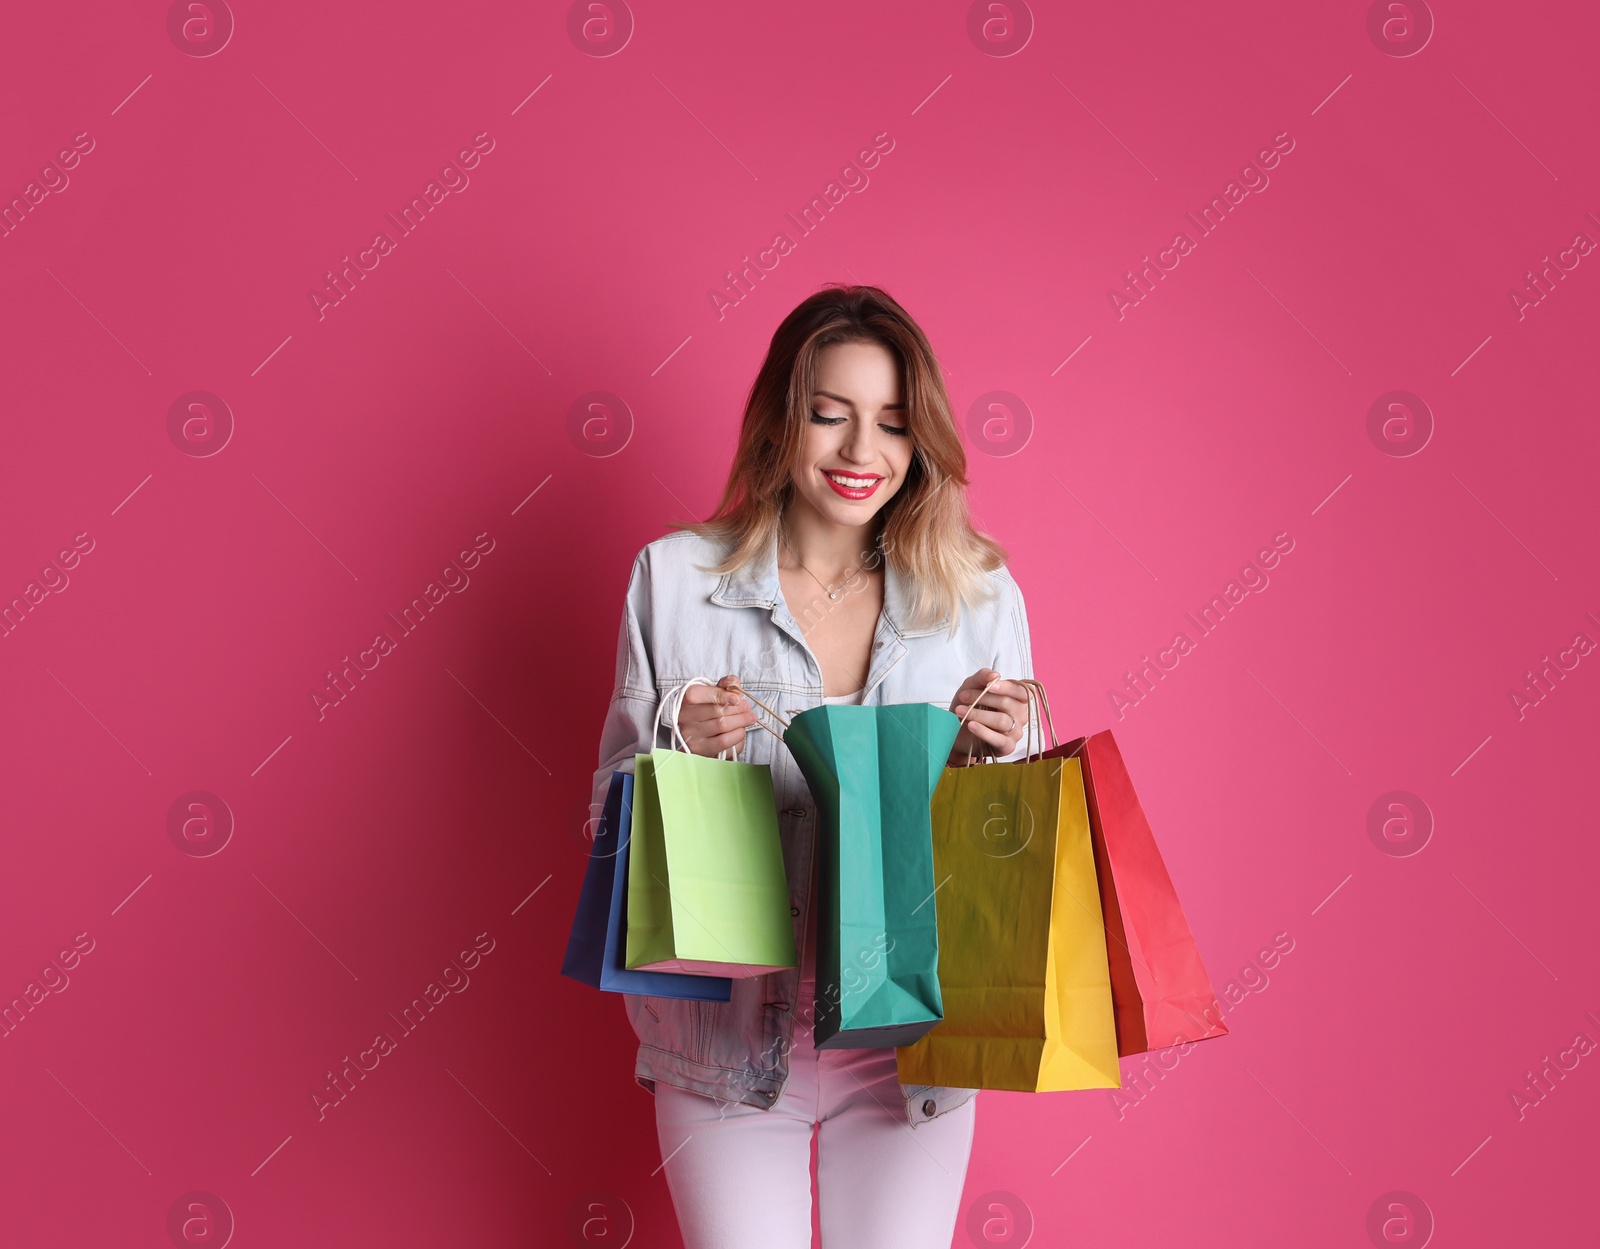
(853, 179)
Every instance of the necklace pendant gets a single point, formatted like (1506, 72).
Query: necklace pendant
(834, 595)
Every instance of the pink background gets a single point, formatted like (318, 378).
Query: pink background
(442, 798)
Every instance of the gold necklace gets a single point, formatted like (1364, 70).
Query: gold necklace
(833, 595)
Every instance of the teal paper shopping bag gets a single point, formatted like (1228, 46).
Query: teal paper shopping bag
(872, 772)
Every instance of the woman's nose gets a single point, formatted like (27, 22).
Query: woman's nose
(860, 445)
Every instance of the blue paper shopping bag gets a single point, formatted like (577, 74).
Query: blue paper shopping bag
(597, 942)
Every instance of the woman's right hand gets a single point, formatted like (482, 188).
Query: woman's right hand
(714, 717)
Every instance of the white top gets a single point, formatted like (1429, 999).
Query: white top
(854, 697)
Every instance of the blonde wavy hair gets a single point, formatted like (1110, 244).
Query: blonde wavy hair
(925, 531)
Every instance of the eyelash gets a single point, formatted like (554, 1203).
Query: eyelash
(903, 431)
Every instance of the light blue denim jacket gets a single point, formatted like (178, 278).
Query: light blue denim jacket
(681, 622)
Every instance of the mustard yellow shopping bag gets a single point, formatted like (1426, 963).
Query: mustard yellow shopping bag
(1022, 945)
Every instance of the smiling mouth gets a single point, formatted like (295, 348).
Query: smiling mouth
(852, 485)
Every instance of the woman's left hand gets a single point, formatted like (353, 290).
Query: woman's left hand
(997, 725)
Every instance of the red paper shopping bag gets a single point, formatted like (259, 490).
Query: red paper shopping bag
(1160, 992)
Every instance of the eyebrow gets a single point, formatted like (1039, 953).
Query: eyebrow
(850, 403)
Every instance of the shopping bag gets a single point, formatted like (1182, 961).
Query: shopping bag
(595, 945)
(1022, 950)
(872, 771)
(1162, 994)
(707, 892)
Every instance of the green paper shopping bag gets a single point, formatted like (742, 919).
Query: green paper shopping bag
(872, 771)
(707, 892)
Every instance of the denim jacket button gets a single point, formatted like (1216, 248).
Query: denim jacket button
(929, 1106)
(794, 910)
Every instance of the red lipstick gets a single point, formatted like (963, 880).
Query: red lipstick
(853, 492)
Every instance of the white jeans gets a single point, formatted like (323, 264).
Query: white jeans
(741, 1177)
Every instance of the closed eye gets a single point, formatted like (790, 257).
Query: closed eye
(817, 418)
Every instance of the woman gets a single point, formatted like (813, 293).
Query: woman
(839, 566)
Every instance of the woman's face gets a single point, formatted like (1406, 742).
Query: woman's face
(857, 448)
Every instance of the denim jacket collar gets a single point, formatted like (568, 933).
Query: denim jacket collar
(756, 585)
